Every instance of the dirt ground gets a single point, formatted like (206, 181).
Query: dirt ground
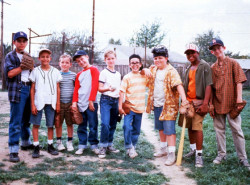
(175, 173)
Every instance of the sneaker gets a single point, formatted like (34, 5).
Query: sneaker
(29, 147)
(36, 152)
(219, 159)
(245, 163)
(102, 153)
(79, 151)
(52, 150)
(190, 154)
(132, 153)
(60, 146)
(96, 151)
(198, 160)
(170, 159)
(113, 149)
(14, 157)
(161, 152)
(70, 147)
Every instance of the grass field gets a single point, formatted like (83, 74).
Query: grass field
(229, 172)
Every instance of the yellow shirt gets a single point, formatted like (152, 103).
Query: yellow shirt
(134, 87)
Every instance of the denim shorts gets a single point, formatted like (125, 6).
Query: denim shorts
(49, 115)
(168, 126)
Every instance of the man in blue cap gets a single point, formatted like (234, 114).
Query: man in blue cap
(18, 86)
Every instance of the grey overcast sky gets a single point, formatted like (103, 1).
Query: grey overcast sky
(182, 20)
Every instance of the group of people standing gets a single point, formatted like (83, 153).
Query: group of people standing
(216, 89)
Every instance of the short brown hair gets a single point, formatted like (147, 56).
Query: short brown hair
(65, 56)
(110, 51)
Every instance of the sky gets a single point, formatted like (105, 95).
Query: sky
(181, 20)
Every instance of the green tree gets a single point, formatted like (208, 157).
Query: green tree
(67, 42)
(151, 31)
(203, 41)
(236, 55)
(116, 42)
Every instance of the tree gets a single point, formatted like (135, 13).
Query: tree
(151, 31)
(203, 41)
(66, 42)
(236, 55)
(117, 42)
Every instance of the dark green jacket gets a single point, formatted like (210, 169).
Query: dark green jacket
(203, 78)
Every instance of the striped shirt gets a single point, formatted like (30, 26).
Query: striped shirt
(134, 87)
(67, 85)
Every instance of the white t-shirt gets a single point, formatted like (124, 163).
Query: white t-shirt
(46, 86)
(25, 73)
(159, 95)
(110, 78)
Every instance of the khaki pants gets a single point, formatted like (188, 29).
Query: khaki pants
(238, 137)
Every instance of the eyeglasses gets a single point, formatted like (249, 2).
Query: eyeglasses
(135, 63)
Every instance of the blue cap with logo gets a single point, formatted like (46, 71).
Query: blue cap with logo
(215, 42)
(20, 34)
(79, 53)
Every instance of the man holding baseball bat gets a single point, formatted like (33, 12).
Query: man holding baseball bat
(197, 85)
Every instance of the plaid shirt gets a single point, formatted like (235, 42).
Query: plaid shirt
(171, 104)
(225, 79)
(14, 84)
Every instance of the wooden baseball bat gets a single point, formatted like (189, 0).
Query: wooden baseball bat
(181, 145)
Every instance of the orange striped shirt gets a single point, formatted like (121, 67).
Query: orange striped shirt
(134, 87)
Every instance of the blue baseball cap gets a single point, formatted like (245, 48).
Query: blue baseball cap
(20, 34)
(215, 42)
(79, 53)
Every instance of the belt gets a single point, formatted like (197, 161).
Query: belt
(26, 83)
(108, 97)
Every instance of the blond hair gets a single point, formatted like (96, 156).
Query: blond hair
(63, 56)
(108, 52)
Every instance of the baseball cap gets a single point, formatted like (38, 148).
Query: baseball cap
(215, 42)
(46, 50)
(160, 50)
(20, 34)
(191, 47)
(79, 53)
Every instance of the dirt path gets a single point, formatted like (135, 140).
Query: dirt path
(175, 173)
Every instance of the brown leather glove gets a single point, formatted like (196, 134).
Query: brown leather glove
(237, 109)
(187, 109)
(27, 62)
(76, 116)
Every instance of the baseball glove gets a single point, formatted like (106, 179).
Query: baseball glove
(27, 62)
(126, 106)
(76, 116)
(187, 109)
(237, 109)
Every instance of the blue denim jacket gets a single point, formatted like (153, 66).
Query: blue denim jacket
(14, 84)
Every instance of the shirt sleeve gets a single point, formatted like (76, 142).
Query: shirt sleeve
(77, 86)
(208, 75)
(59, 77)
(95, 78)
(8, 64)
(238, 73)
(175, 78)
(32, 76)
(124, 84)
(102, 77)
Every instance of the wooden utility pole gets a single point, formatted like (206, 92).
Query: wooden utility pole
(2, 51)
(37, 35)
(93, 33)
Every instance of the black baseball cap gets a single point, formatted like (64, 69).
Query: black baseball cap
(79, 53)
(215, 42)
(160, 50)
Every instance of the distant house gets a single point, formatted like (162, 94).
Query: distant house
(245, 65)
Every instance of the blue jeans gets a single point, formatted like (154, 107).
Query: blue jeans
(89, 117)
(19, 125)
(109, 113)
(131, 128)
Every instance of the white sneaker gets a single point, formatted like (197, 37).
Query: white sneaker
(70, 147)
(132, 153)
(170, 159)
(79, 151)
(96, 151)
(60, 146)
(161, 152)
